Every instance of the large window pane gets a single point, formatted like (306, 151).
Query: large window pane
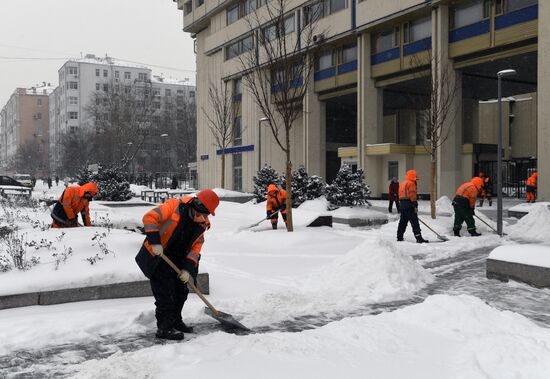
(420, 29)
(336, 5)
(512, 5)
(349, 53)
(289, 24)
(326, 60)
(383, 41)
(232, 14)
(467, 13)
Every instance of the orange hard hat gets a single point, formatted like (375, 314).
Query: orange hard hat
(411, 175)
(477, 181)
(209, 199)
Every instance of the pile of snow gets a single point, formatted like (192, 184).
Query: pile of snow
(533, 227)
(531, 254)
(136, 189)
(444, 205)
(372, 272)
(527, 207)
(444, 337)
(221, 192)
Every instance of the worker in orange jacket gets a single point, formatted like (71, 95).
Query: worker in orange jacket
(276, 201)
(74, 200)
(532, 187)
(464, 204)
(175, 228)
(408, 205)
(487, 192)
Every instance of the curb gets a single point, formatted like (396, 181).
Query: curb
(110, 291)
(504, 271)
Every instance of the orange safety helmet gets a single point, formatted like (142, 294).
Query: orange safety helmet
(411, 175)
(477, 181)
(209, 199)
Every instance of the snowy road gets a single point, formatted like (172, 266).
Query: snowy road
(461, 274)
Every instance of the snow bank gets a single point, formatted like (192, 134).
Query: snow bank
(372, 272)
(535, 226)
(526, 207)
(443, 206)
(444, 337)
(534, 255)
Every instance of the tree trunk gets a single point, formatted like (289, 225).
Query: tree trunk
(433, 183)
(288, 177)
(223, 169)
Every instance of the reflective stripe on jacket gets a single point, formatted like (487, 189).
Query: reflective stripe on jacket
(274, 203)
(74, 202)
(469, 192)
(407, 190)
(164, 220)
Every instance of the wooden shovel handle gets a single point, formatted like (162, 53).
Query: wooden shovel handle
(191, 285)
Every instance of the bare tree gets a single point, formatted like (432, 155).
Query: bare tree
(438, 110)
(221, 119)
(29, 159)
(277, 71)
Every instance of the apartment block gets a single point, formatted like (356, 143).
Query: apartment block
(24, 128)
(366, 102)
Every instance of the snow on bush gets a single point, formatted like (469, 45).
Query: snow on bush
(111, 181)
(347, 189)
(265, 176)
(304, 187)
(535, 226)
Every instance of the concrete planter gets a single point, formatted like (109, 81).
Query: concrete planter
(533, 275)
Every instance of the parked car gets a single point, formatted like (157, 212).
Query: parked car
(25, 180)
(9, 181)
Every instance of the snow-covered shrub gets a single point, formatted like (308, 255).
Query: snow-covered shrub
(62, 257)
(111, 182)
(347, 189)
(84, 176)
(304, 187)
(266, 176)
(103, 248)
(16, 248)
(5, 264)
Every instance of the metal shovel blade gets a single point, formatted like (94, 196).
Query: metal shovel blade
(226, 319)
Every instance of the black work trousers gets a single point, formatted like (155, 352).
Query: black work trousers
(408, 215)
(390, 205)
(170, 295)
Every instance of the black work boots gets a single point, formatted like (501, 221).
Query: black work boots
(473, 233)
(169, 334)
(180, 326)
(419, 239)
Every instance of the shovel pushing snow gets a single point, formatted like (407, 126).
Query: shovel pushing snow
(440, 237)
(490, 227)
(257, 223)
(224, 318)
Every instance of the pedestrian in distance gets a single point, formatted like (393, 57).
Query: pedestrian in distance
(408, 205)
(532, 187)
(176, 229)
(464, 204)
(276, 201)
(487, 192)
(393, 195)
(49, 182)
(74, 200)
(174, 184)
(56, 180)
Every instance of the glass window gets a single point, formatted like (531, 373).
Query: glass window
(237, 132)
(247, 44)
(167, 92)
(117, 74)
(238, 86)
(249, 6)
(289, 24)
(127, 75)
(106, 87)
(349, 53)
(188, 7)
(73, 85)
(382, 41)
(314, 12)
(72, 71)
(393, 170)
(270, 33)
(105, 73)
(73, 100)
(420, 29)
(39, 116)
(467, 13)
(142, 76)
(199, 3)
(232, 14)
(97, 87)
(38, 101)
(326, 60)
(191, 93)
(513, 5)
(97, 72)
(73, 115)
(237, 172)
(337, 5)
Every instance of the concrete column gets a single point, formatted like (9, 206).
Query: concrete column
(449, 155)
(314, 129)
(543, 112)
(369, 116)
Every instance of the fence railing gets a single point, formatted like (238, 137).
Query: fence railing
(170, 180)
(514, 175)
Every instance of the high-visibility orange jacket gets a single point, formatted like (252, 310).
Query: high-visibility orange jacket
(161, 223)
(470, 191)
(74, 202)
(532, 180)
(407, 189)
(276, 199)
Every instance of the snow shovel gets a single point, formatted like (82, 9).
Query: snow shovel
(440, 237)
(224, 318)
(257, 223)
(490, 227)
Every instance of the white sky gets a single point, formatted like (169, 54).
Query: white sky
(144, 31)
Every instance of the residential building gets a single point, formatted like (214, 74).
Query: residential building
(24, 128)
(80, 79)
(367, 98)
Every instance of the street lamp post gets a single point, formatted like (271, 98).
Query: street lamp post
(500, 75)
(260, 141)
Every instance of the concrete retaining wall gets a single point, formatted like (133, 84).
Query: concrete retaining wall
(504, 271)
(109, 291)
(356, 222)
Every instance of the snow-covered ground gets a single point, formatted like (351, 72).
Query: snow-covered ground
(264, 278)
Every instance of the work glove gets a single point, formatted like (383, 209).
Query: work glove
(184, 276)
(72, 222)
(157, 249)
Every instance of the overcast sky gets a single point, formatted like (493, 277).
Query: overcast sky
(144, 31)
